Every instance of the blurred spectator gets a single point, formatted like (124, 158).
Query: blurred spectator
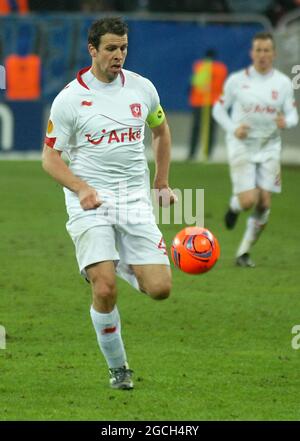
(206, 87)
(13, 6)
(23, 74)
(282, 7)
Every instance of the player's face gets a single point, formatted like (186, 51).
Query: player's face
(262, 55)
(109, 57)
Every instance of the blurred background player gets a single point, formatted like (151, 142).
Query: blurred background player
(206, 87)
(98, 120)
(262, 102)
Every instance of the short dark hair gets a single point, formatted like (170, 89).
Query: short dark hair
(264, 36)
(108, 25)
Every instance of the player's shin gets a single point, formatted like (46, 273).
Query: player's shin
(255, 225)
(108, 331)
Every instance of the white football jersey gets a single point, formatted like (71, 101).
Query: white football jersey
(100, 126)
(256, 100)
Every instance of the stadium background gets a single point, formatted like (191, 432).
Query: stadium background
(220, 347)
(162, 47)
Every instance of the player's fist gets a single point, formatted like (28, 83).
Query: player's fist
(280, 121)
(165, 196)
(242, 131)
(88, 198)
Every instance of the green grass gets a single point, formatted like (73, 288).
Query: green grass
(218, 349)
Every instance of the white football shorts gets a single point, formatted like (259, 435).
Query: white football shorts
(128, 244)
(247, 175)
(254, 169)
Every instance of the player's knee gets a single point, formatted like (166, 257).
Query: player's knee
(103, 289)
(248, 202)
(160, 291)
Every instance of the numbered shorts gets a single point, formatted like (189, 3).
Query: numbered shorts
(131, 244)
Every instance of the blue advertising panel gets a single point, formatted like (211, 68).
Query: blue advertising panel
(21, 126)
(160, 50)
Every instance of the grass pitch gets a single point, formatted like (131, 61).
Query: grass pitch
(218, 349)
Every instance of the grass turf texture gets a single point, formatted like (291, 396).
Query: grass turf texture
(218, 349)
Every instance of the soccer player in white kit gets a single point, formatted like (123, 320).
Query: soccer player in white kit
(98, 121)
(261, 101)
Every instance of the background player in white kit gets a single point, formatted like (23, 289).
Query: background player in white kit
(262, 103)
(98, 121)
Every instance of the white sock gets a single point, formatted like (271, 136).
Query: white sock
(108, 330)
(255, 225)
(235, 204)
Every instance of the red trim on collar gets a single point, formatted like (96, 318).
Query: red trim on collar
(85, 69)
(79, 77)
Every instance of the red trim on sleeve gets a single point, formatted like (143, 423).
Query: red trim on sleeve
(79, 77)
(50, 141)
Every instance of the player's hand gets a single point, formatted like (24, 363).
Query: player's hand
(242, 131)
(280, 121)
(88, 198)
(165, 196)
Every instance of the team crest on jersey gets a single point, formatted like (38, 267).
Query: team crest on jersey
(274, 94)
(136, 110)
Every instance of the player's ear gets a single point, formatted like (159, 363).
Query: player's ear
(92, 50)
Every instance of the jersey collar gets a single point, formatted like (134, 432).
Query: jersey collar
(254, 73)
(85, 69)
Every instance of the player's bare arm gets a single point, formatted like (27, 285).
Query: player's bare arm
(161, 142)
(55, 166)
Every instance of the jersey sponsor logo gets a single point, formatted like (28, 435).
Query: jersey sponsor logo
(128, 135)
(136, 110)
(274, 94)
(50, 127)
(259, 109)
(50, 142)
(245, 86)
(86, 103)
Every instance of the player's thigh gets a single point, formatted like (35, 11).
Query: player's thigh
(141, 244)
(269, 175)
(95, 244)
(154, 279)
(248, 198)
(243, 174)
(143, 248)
